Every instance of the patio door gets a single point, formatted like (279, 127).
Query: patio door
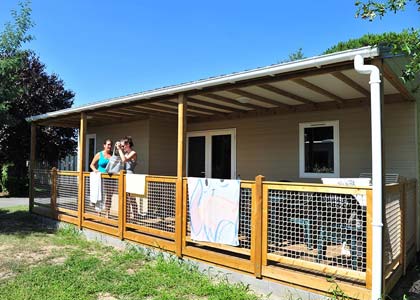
(90, 150)
(212, 154)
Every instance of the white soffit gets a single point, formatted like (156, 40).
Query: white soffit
(389, 88)
(335, 86)
(363, 80)
(270, 95)
(251, 101)
(210, 100)
(301, 91)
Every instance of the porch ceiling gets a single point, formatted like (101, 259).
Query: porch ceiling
(329, 87)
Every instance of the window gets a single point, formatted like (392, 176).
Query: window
(319, 150)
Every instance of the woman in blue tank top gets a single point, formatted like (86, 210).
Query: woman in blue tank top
(101, 159)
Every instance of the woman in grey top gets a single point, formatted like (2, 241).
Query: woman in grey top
(129, 158)
(127, 154)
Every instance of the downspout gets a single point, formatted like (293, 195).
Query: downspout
(377, 185)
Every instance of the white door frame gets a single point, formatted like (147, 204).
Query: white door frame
(208, 154)
(88, 137)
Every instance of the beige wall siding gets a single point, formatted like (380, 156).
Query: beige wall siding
(163, 146)
(400, 139)
(270, 145)
(139, 131)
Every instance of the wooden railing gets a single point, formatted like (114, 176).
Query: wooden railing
(293, 232)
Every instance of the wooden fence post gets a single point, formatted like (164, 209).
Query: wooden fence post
(369, 204)
(257, 216)
(403, 189)
(182, 124)
(32, 167)
(122, 207)
(81, 162)
(54, 190)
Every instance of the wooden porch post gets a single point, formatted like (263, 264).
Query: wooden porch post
(182, 125)
(32, 166)
(257, 228)
(122, 207)
(80, 165)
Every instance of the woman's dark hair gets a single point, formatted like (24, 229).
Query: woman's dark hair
(128, 140)
(107, 140)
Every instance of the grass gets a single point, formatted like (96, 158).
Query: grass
(42, 262)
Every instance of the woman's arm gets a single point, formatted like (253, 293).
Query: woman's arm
(94, 161)
(131, 156)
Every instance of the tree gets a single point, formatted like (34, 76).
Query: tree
(371, 9)
(298, 54)
(409, 41)
(40, 93)
(26, 89)
(11, 41)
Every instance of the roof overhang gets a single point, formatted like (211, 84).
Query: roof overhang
(321, 81)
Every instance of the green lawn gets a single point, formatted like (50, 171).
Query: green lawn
(37, 262)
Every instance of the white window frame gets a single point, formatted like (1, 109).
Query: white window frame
(336, 136)
(208, 135)
(88, 137)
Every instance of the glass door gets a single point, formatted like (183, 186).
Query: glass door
(197, 156)
(212, 154)
(221, 156)
(91, 150)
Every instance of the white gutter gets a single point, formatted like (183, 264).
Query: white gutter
(317, 61)
(377, 172)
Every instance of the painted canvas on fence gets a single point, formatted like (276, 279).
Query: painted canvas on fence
(214, 210)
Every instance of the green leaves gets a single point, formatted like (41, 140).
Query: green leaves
(16, 34)
(371, 9)
(406, 43)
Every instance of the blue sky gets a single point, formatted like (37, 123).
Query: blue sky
(104, 49)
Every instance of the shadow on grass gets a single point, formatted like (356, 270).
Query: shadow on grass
(21, 223)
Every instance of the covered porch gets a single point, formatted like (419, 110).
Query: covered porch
(293, 229)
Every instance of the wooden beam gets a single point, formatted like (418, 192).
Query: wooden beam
(284, 93)
(396, 82)
(318, 90)
(32, 167)
(106, 115)
(214, 105)
(197, 110)
(351, 83)
(133, 111)
(156, 108)
(120, 112)
(259, 98)
(81, 164)
(328, 105)
(181, 170)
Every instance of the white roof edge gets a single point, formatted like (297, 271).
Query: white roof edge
(316, 61)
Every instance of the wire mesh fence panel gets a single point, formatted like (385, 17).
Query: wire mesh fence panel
(42, 186)
(245, 212)
(392, 226)
(318, 227)
(67, 191)
(107, 206)
(157, 210)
